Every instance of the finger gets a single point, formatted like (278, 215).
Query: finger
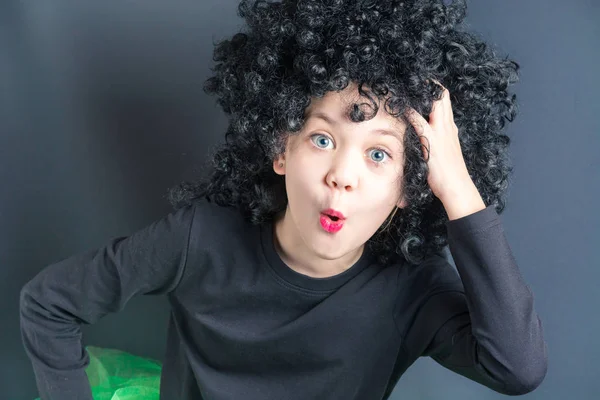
(447, 104)
(438, 109)
(416, 120)
(443, 108)
(438, 114)
(446, 99)
(421, 126)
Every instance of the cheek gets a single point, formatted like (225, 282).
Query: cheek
(306, 166)
(380, 208)
(385, 184)
(381, 204)
(299, 179)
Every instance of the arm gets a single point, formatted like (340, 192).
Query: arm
(482, 325)
(85, 287)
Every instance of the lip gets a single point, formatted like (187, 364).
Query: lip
(330, 225)
(334, 213)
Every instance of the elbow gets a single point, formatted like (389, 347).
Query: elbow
(23, 298)
(28, 311)
(528, 381)
(530, 377)
(29, 308)
(25, 302)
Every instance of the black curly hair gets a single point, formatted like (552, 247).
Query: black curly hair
(293, 50)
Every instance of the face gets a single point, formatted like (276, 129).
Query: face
(334, 163)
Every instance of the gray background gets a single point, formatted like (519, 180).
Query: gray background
(101, 110)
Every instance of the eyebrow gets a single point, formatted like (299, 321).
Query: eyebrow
(331, 121)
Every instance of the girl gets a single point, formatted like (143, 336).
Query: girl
(364, 137)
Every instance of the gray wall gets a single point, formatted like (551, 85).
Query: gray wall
(101, 110)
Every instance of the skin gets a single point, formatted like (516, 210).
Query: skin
(341, 165)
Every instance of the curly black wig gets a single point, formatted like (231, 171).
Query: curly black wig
(293, 50)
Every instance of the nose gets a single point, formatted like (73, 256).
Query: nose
(343, 173)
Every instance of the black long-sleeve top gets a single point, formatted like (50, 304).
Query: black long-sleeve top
(243, 325)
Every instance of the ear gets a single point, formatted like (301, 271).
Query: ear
(402, 203)
(279, 164)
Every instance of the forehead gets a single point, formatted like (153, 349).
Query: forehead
(334, 108)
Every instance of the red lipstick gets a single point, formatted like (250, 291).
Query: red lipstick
(331, 220)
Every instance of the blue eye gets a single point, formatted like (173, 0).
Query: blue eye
(321, 140)
(379, 155)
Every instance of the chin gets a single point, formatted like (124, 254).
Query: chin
(324, 250)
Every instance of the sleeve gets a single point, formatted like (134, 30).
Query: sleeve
(85, 287)
(482, 324)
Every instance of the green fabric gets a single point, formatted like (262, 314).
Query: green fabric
(117, 375)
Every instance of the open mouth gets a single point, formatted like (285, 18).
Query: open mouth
(333, 214)
(331, 223)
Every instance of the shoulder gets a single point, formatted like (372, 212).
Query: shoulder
(220, 240)
(422, 289)
(211, 220)
(436, 273)
(205, 208)
(418, 283)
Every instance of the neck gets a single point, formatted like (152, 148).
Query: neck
(296, 255)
